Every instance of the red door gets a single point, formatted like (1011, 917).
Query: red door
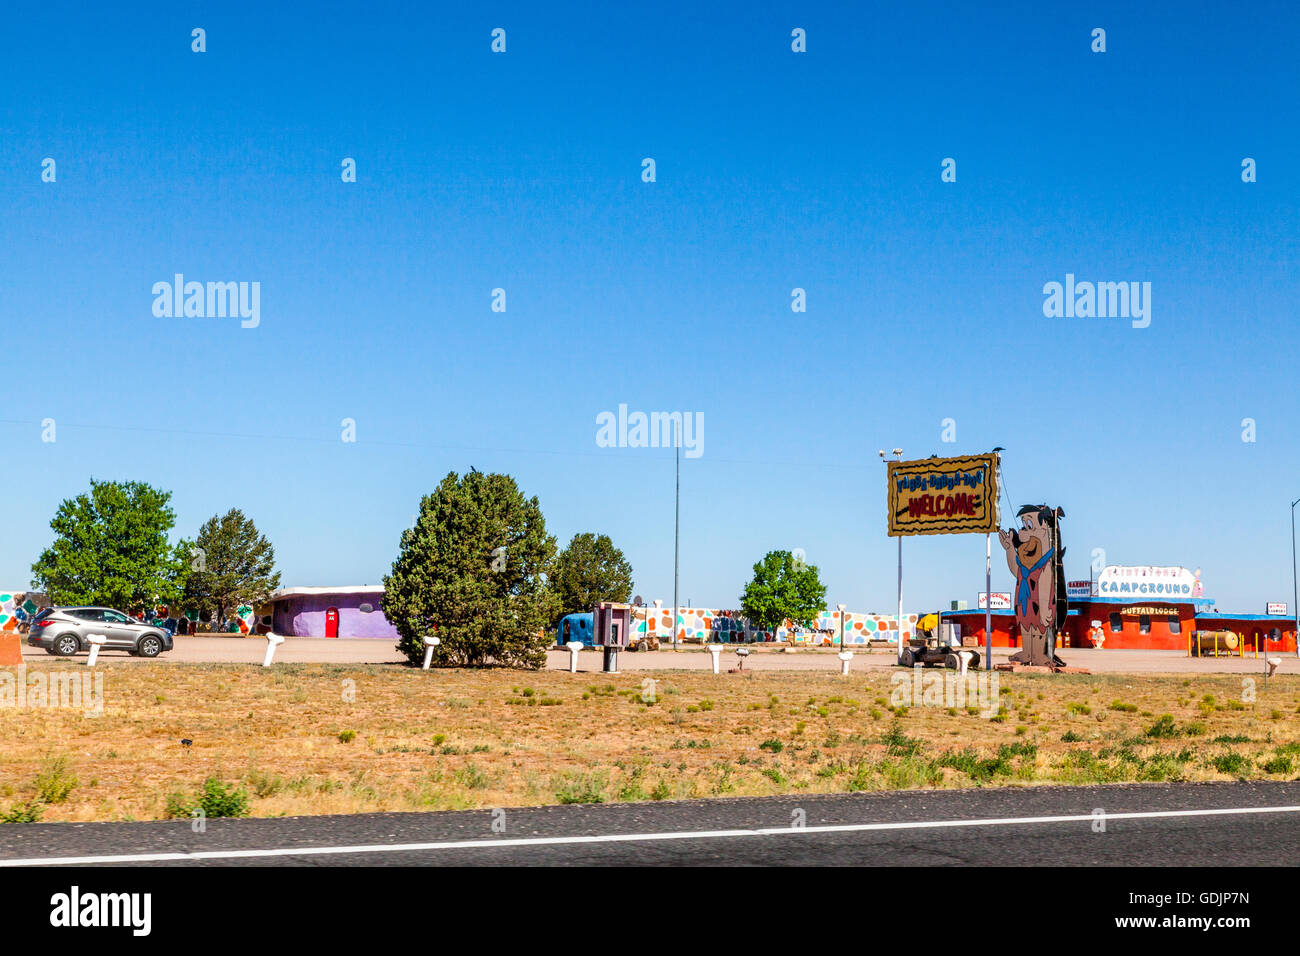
(332, 622)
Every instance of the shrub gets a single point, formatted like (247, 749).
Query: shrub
(29, 812)
(1163, 728)
(581, 788)
(1233, 763)
(347, 736)
(216, 799)
(1279, 764)
(898, 744)
(55, 781)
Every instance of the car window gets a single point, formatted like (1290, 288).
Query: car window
(112, 617)
(88, 614)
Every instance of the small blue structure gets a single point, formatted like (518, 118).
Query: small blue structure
(575, 627)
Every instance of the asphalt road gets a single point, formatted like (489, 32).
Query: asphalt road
(1209, 824)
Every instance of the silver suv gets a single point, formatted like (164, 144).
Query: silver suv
(63, 631)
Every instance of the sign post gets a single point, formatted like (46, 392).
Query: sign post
(944, 496)
(988, 605)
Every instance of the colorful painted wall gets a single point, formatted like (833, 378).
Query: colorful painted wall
(19, 607)
(718, 626)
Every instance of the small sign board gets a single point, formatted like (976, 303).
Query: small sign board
(1276, 607)
(1001, 601)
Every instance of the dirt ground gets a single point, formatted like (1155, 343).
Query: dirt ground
(310, 738)
(215, 649)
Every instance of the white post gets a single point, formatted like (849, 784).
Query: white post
(272, 642)
(845, 657)
(715, 651)
(574, 647)
(96, 641)
(964, 657)
(429, 644)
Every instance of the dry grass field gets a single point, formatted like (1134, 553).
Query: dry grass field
(327, 738)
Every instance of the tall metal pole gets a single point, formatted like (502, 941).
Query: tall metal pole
(1295, 604)
(898, 456)
(988, 601)
(677, 516)
(900, 599)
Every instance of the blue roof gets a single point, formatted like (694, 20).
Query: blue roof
(1145, 598)
(1247, 617)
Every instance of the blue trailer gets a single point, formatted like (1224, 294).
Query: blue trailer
(575, 627)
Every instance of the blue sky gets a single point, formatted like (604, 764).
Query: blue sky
(775, 170)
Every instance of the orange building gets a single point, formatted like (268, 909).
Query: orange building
(1138, 623)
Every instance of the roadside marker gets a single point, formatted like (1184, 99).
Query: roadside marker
(96, 642)
(272, 642)
(429, 644)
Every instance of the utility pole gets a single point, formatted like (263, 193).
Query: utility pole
(677, 524)
(1295, 604)
(898, 455)
(988, 601)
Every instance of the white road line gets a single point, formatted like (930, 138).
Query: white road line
(625, 837)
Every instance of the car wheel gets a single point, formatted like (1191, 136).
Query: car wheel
(149, 646)
(65, 645)
(908, 658)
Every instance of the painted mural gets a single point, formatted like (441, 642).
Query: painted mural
(718, 626)
(19, 607)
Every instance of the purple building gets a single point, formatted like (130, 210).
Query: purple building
(330, 612)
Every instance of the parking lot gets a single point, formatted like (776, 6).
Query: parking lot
(213, 649)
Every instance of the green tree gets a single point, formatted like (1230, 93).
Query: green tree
(232, 563)
(111, 548)
(474, 571)
(783, 588)
(588, 571)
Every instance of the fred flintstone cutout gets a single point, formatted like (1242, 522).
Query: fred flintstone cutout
(1035, 557)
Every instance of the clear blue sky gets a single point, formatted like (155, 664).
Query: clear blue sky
(775, 170)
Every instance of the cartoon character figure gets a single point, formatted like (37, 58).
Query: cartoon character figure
(1034, 556)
